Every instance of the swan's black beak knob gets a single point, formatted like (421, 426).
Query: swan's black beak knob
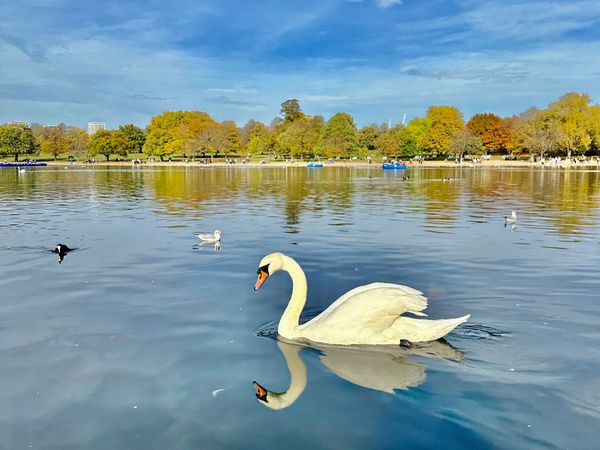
(263, 274)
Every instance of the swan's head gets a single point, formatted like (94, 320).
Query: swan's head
(268, 266)
(271, 400)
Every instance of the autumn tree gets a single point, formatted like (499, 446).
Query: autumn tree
(388, 143)
(442, 123)
(339, 136)
(481, 123)
(54, 140)
(465, 142)
(212, 139)
(574, 115)
(498, 136)
(16, 139)
(77, 141)
(232, 143)
(174, 131)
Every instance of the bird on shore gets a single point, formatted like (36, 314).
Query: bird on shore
(510, 220)
(210, 237)
(62, 250)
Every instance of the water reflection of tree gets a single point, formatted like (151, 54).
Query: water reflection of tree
(565, 199)
(61, 184)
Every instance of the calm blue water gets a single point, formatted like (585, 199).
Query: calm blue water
(143, 339)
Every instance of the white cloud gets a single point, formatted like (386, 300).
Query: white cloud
(387, 3)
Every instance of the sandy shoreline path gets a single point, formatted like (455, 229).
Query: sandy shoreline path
(590, 164)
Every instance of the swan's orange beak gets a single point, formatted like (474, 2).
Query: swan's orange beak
(261, 392)
(262, 277)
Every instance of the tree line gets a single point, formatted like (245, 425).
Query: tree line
(568, 126)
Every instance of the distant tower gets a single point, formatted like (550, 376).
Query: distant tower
(95, 126)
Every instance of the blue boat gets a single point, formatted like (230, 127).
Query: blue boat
(314, 165)
(388, 166)
(22, 164)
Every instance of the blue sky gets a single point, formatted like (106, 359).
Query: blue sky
(125, 61)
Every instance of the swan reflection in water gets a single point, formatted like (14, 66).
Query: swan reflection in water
(383, 368)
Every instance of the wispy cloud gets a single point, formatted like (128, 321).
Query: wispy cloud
(387, 3)
(67, 61)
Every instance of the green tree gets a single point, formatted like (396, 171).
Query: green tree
(339, 136)
(255, 146)
(290, 109)
(120, 143)
(101, 143)
(367, 137)
(135, 135)
(443, 122)
(300, 137)
(16, 139)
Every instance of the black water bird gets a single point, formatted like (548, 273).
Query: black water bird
(62, 250)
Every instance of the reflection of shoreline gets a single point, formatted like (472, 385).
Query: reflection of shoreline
(358, 164)
(382, 368)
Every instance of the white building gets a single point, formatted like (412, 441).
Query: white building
(95, 126)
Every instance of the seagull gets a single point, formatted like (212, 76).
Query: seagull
(214, 237)
(511, 220)
(62, 250)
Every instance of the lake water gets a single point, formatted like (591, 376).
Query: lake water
(143, 339)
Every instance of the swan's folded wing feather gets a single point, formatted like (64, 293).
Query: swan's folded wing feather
(373, 307)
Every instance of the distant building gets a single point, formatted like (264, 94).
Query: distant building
(95, 126)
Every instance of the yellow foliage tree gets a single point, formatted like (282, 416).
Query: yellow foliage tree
(442, 123)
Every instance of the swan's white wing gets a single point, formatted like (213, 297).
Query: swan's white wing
(364, 312)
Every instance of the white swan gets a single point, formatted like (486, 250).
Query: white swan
(210, 237)
(380, 368)
(366, 315)
(512, 219)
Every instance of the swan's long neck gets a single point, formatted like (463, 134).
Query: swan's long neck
(289, 322)
(298, 380)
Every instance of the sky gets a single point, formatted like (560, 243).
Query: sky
(76, 61)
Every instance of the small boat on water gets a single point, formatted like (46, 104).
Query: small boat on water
(22, 164)
(394, 166)
(314, 165)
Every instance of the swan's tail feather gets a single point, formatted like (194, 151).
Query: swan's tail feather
(419, 330)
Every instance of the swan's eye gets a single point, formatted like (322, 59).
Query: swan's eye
(264, 268)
